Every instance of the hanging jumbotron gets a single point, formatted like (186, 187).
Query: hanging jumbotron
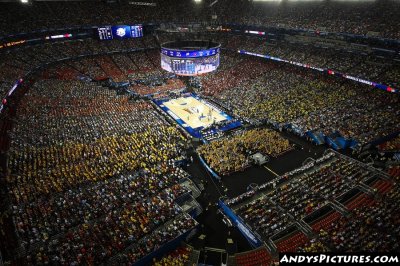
(190, 58)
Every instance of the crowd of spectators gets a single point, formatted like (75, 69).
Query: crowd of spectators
(281, 94)
(311, 190)
(235, 72)
(14, 64)
(153, 241)
(345, 58)
(92, 175)
(259, 256)
(264, 217)
(394, 171)
(373, 225)
(177, 257)
(360, 17)
(357, 17)
(392, 145)
(292, 241)
(247, 196)
(231, 154)
(314, 246)
(154, 82)
(170, 85)
(298, 242)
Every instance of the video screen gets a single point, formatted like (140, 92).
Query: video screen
(189, 66)
(120, 32)
(186, 54)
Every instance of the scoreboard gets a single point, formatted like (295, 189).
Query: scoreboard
(190, 66)
(120, 32)
(191, 53)
(105, 33)
(137, 31)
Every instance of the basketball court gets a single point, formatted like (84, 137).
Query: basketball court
(195, 113)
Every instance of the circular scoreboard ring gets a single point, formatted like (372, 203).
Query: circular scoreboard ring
(190, 58)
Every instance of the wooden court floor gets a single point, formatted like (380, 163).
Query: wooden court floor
(193, 112)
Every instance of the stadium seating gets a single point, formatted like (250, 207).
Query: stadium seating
(98, 178)
(291, 243)
(392, 145)
(394, 171)
(259, 256)
(180, 256)
(232, 154)
(271, 214)
(331, 17)
(90, 170)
